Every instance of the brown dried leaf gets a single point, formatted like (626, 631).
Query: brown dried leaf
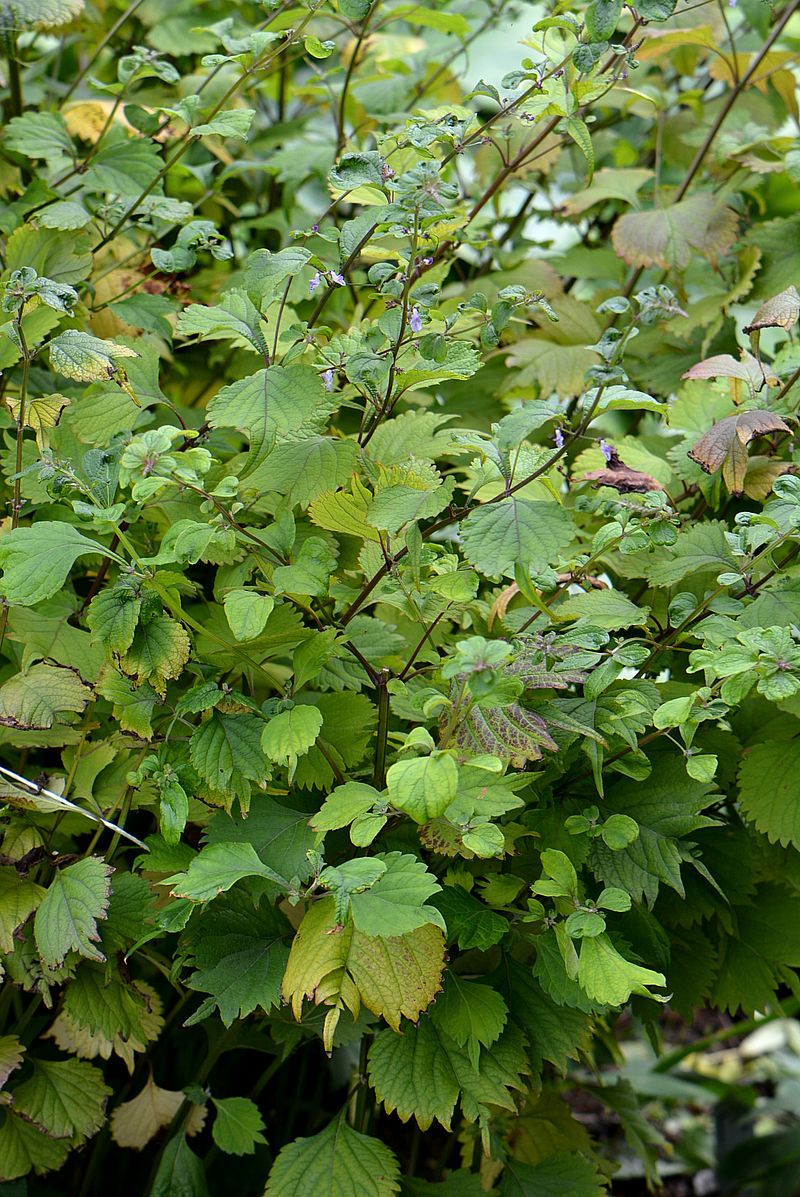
(668, 236)
(621, 477)
(780, 311)
(724, 445)
(500, 604)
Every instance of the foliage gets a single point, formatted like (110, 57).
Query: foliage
(399, 650)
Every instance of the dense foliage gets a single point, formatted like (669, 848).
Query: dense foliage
(399, 652)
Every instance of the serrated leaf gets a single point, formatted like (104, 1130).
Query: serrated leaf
(66, 919)
(37, 560)
(609, 609)
(237, 1126)
(769, 790)
(134, 1123)
(343, 805)
(133, 706)
(470, 923)
(338, 1162)
(216, 868)
(281, 836)
(225, 745)
(500, 537)
(472, 1014)
(235, 318)
(669, 236)
(395, 903)
(65, 1098)
(24, 1148)
(560, 1175)
(19, 897)
(11, 1054)
(303, 470)
(39, 135)
(423, 787)
(423, 1073)
(36, 697)
(83, 358)
(666, 810)
(158, 652)
(23, 14)
(113, 615)
(393, 977)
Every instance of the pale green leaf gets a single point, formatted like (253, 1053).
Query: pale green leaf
(37, 560)
(291, 733)
(606, 976)
(37, 697)
(769, 790)
(499, 538)
(423, 787)
(237, 1126)
(247, 612)
(216, 868)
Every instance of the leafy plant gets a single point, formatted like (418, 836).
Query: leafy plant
(399, 639)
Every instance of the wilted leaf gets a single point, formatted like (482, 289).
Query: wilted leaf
(136, 1122)
(621, 477)
(725, 444)
(667, 236)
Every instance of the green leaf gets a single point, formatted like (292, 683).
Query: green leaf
(235, 318)
(239, 955)
(500, 537)
(310, 573)
(36, 561)
(578, 129)
(180, 1172)
(132, 706)
(343, 805)
(281, 836)
(66, 919)
(396, 903)
(423, 787)
(606, 976)
(601, 19)
(216, 868)
(247, 612)
(656, 10)
(113, 615)
(290, 734)
(560, 1175)
(470, 923)
(65, 1098)
(422, 1073)
(666, 810)
(238, 1125)
(338, 1162)
(39, 135)
(609, 609)
(37, 697)
(769, 790)
(227, 744)
(305, 469)
(472, 1014)
(24, 1147)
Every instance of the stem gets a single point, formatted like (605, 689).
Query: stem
(341, 137)
(379, 774)
(15, 102)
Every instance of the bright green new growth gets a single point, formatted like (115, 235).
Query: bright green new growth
(399, 650)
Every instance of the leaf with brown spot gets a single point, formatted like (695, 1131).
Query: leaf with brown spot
(725, 445)
(780, 311)
(668, 236)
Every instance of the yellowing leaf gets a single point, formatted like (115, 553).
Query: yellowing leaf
(346, 512)
(66, 1098)
(19, 897)
(35, 698)
(159, 651)
(340, 967)
(41, 414)
(668, 236)
(11, 1053)
(136, 1122)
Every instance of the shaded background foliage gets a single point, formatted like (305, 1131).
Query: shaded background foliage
(398, 692)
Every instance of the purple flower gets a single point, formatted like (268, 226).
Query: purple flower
(315, 228)
(327, 379)
(607, 450)
(559, 438)
(427, 261)
(416, 320)
(312, 286)
(339, 279)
